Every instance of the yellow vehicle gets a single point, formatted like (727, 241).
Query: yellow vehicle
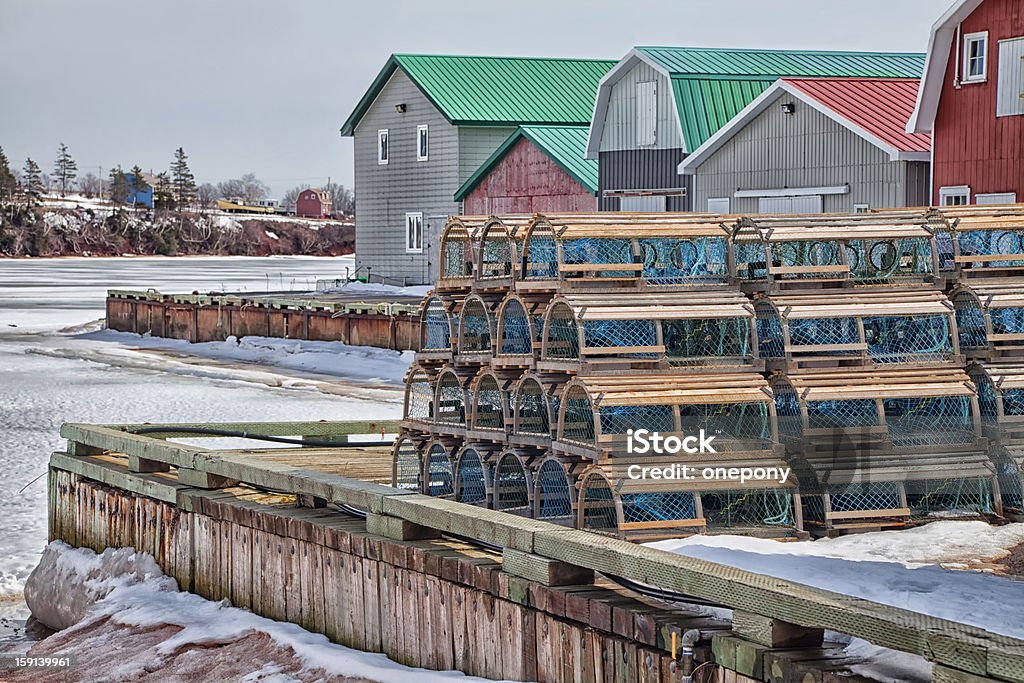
(238, 205)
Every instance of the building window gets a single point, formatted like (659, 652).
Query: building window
(718, 205)
(422, 142)
(996, 198)
(414, 233)
(959, 195)
(1010, 98)
(975, 57)
(383, 149)
(646, 112)
(861, 208)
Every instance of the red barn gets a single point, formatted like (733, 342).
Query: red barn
(313, 203)
(972, 102)
(538, 169)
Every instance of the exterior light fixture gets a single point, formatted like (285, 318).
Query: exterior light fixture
(788, 107)
(400, 108)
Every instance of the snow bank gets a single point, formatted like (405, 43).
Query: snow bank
(377, 289)
(189, 627)
(898, 568)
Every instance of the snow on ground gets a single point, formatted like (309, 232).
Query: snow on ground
(138, 626)
(376, 289)
(898, 568)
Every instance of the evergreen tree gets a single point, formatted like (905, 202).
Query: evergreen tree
(184, 181)
(8, 182)
(64, 169)
(163, 192)
(118, 186)
(137, 184)
(33, 182)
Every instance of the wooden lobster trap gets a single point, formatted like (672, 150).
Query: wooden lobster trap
(439, 329)
(990, 318)
(520, 322)
(1001, 403)
(982, 242)
(854, 328)
(477, 326)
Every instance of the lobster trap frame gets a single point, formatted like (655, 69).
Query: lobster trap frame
(439, 330)
(983, 242)
(477, 325)
(519, 330)
(491, 412)
(457, 254)
(535, 412)
(990, 319)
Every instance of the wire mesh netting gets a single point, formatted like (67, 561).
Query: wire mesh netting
(471, 482)
(735, 426)
(747, 508)
(751, 261)
(842, 413)
(813, 506)
(669, 261)
(1011, 484)
(824, 332)
(929, 421)
(604, 334)
(970, 322)
(512, 491)
(907, 338)
(880, 261)
(619, 419)
(794, 254)
(436, 327)
(770, 339)
(451, 400)
(458, 256)
(553, 492)
(420, 403)
(873, 495)
(496, 257)
(540, 256)
(987, 397)
(944, 248)
(658, 507)
(562, 336)
(516, 330)
(1007, 320)
(490, 404)
(533, 417)
(578, 421)
(598, 250)
(991, 243)
(969, 495)
(711, 341)
(787, 409)
(440, 481)
(598, 505)
(407, 466)
(1013, 402)
(476, 328)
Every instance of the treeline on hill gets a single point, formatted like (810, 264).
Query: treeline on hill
(179, 223)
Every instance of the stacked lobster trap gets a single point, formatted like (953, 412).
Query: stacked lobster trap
(829, 346)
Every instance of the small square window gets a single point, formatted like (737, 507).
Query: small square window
(414, 232)
(422, 142)
(975, 58)
(959, 195)
(861, 208)
(383, 149)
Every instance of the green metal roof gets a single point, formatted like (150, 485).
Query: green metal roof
(496, 90)
(566, 145)
(711, 85)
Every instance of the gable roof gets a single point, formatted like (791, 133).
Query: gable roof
(875, 109)
(940, 43)
(712, 85)
(565, 146)
(495, 90)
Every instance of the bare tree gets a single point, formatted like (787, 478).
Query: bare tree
(249, 188)
(90, 185)
(206, 194)
(342, 199)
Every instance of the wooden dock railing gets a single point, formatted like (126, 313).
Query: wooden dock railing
(960, 652)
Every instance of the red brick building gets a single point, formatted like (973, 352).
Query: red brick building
(538, 169)
(972, 102)
(313, 203)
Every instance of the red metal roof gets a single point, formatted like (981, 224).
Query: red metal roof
(879, 106)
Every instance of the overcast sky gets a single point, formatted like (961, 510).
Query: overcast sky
(263, 87)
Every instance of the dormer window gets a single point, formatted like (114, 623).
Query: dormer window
(975, 67)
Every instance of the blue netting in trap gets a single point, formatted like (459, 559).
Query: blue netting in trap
(771, 343)
(970, 322)
(658, 507)
(510, 483)
(987, 400)
(471, 480)
(966, 496)
(578, 421)
(824, 331)
(599, 505)
(440, 481)
(801, 254)
(929, 421)
(670, 261)
(751, 262)
(407, 466)
(1011, 484)
(555, 497)
(705, 340)
(516, 330)
(944, 247)
(533, 409)
(813, 506)
(612, 333)
(490, 404)
(991, 243)
(906, 338)
(619, 419)
(476, 328)
(540, 258)
(457, 258)
(587, 250)
(495, 257)
(875, 495)
(563, 339)
(436, 327)
(1007, 320)
(419, 398)
(735, 426)
(1013, 402)
(451, 400)
(787, 409)
(878, 261)
(747, 508)
(842, 413)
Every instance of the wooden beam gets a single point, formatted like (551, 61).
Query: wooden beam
(543, 570)
(774, 632)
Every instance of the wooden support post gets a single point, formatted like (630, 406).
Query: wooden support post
(398, 529)
(543, 570)
(203, 480)
(80, 449)
(774, 632)
(137, 464)
(304, 500)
